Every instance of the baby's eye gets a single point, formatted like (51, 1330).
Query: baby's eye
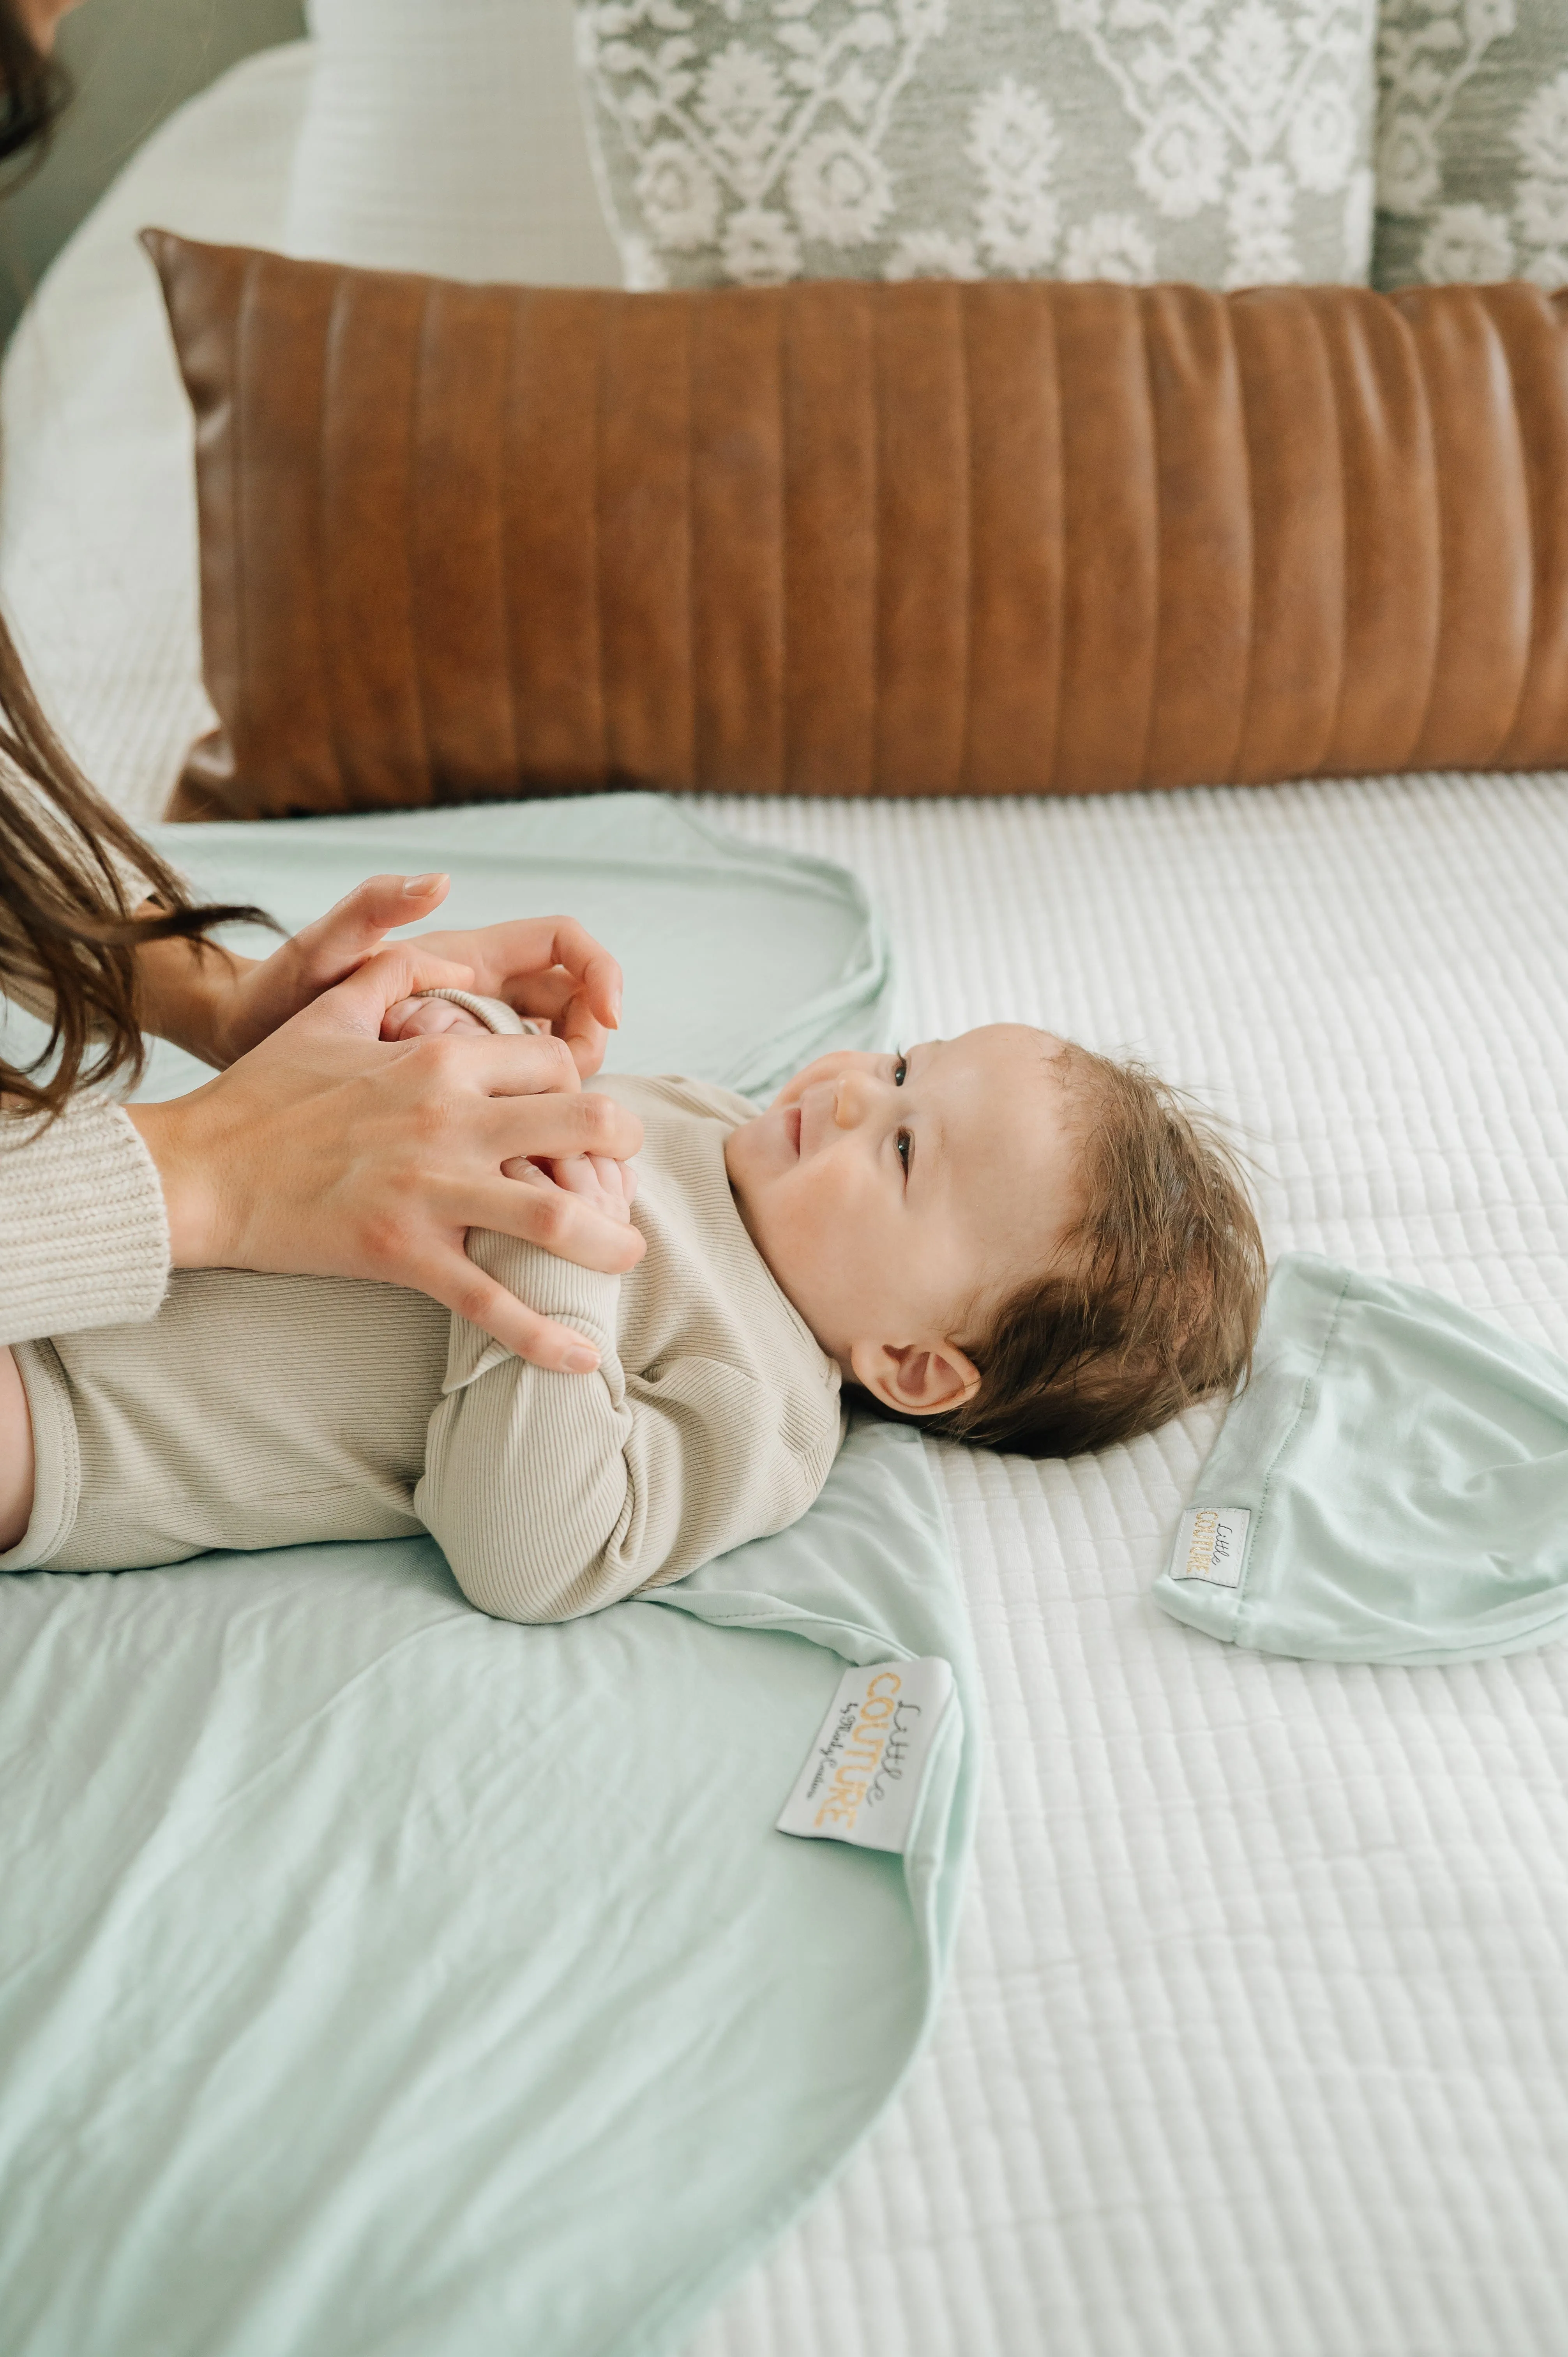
(900, 1068)
(902, 1143)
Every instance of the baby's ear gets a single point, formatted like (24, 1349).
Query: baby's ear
(915, 1378)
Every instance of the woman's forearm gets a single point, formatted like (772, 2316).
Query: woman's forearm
(322, 1149)
(184, 991)
(218, 1004)
(83, 1236)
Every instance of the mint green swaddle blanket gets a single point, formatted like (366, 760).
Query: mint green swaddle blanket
(1391, 1485)
(383, 1980)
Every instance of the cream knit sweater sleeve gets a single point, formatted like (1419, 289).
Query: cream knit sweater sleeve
(84, 1231)
(84, 1234)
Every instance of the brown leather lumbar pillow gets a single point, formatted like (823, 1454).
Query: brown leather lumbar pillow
(840, 538)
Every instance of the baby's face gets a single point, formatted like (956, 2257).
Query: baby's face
(894, 1196)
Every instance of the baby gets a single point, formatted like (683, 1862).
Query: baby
(1014, 1240)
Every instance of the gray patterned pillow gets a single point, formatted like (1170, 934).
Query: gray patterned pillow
(1222, 141)
(1473, 141)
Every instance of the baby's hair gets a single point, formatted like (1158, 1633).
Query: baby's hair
(1155, 1296)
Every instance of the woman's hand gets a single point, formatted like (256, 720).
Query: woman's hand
(326, 1151)
(610, 1187)
(547, 967)
(219, 1006)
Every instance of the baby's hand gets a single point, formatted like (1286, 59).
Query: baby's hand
(608, 1185)
(423, 1018)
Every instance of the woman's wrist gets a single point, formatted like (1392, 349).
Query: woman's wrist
(190, 1200)
(184, 993)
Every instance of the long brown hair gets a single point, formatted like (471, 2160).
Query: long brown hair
(33, 89)
(68, 926)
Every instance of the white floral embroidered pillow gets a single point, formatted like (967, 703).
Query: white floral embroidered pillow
(1222, 141)
(1473, 141)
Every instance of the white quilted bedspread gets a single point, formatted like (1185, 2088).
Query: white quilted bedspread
(1256, 2044)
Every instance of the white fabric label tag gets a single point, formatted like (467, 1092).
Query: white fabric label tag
(864, 1774)
(1212, 1544)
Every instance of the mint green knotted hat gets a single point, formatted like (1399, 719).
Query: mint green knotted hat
(1390, 1486)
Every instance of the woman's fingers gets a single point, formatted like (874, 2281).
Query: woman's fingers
(548, 966)
(226, 1006)
(529, 1100)
(451, 1277)
(557, 998)
(590, 1005)
(584, 1036)
(361, 1003)
(551, 1127)
(597, 975)
(328, 950)
(574, 1226)
(538, 945)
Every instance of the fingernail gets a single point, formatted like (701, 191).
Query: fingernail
(420, 887)
(581, 1362)
(615, 1012)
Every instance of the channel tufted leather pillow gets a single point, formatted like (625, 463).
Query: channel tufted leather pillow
(845, 538)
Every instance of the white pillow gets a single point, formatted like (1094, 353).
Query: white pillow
(447, 136)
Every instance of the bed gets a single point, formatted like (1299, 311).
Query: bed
(1257, 2038)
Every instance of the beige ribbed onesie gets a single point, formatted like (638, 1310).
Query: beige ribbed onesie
(261, 1411)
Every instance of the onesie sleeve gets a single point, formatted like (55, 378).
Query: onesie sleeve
(84, 1231)
(555, 1495)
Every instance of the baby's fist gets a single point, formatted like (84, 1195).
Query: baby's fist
(424, 1018)
(608, 1185)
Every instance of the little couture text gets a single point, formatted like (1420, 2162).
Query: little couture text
(1211, 1545)
(868, 1749)
(862, 1777)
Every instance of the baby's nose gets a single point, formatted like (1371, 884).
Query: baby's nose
(849, 1100)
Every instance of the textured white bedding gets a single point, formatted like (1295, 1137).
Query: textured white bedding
(1256, 2044)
